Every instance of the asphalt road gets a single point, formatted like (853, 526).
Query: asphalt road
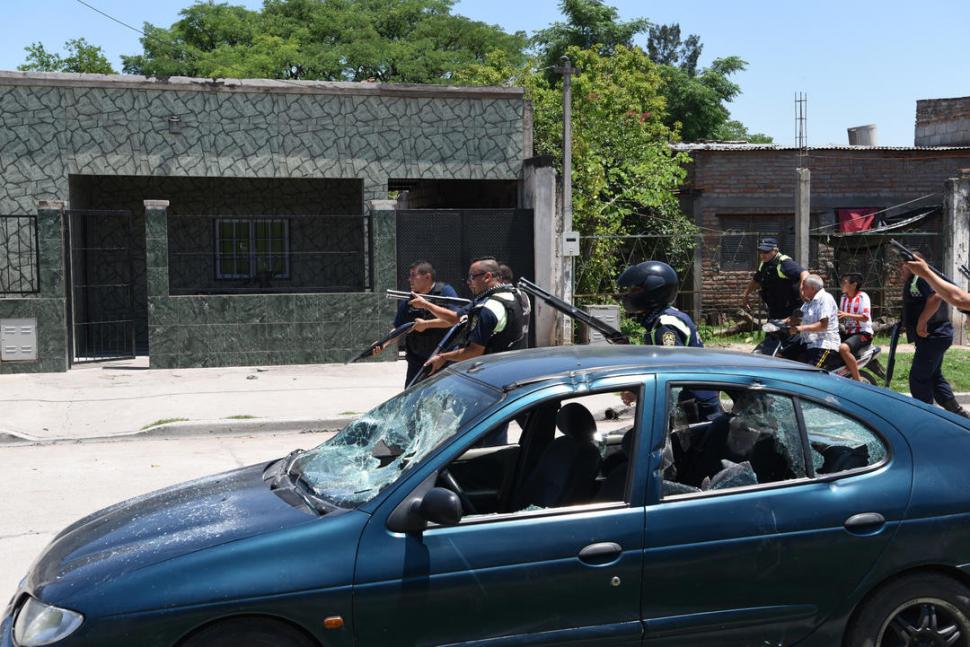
(46, 487)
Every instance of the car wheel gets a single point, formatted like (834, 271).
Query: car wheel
(926, 609)
(249, 632)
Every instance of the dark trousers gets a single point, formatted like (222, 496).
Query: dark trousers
(926, 381)
(414, 366)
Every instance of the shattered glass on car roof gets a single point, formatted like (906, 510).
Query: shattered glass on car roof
(375, 449)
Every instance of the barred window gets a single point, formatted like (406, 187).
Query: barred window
(250, 248)
(739, 242)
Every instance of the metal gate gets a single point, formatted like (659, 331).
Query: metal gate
(100, 283)
(450, 238)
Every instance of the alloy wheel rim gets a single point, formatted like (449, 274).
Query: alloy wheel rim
(926, 622)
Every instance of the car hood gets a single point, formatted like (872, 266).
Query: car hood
(161, 525)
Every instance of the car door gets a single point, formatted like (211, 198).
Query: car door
(558, 576)
(768, 562)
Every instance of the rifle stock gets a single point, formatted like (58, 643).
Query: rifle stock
(394, 334)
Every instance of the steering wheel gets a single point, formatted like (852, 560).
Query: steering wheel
(452, 485)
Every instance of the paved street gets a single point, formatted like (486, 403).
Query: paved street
(117, 398)
(46, 487)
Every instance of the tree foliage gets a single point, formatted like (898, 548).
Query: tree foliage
(666, 48)
(410, 41)
(624, 174)
(81, 56)
(589, 24)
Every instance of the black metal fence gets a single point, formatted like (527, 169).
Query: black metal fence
(269, 254)
(19, 256)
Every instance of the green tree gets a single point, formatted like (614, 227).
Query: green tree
(624, 172)
(733, 130)
(410, 41)
(666, 48)
(81, 57)
(589, 24)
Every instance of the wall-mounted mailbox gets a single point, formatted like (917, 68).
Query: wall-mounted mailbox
(18, 340)
(570, 243)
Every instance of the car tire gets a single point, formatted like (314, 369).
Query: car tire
(922, 609)
(249, 632)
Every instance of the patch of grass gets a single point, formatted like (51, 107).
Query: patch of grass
(163, 421)
(347, 413)
(240, 417)
(956, 369)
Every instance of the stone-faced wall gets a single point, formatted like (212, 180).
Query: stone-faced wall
(761, 182)
(56, 125)
(262, 329)
(60, 132)
(943, 122)
(46, 306)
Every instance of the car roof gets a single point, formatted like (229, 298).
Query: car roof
(517, 367)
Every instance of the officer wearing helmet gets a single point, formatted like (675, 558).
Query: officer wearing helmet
(648, 291)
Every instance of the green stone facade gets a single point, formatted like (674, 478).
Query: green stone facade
(64, 137)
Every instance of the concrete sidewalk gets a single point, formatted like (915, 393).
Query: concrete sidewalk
(122, 398)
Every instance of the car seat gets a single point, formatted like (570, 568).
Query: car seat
(566, 471)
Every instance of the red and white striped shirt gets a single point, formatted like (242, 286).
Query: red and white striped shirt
(857, 305)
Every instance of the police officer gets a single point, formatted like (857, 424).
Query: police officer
(927, 320)
(779, 278)
(648, 290)
(419, 346)
(496, 322)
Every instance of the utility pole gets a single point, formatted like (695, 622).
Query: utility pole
(803, 184)
(569, 244)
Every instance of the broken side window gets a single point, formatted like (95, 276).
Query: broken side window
(839, 443)
(375, 449)
(756, 440)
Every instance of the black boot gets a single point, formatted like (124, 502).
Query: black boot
(954, 407)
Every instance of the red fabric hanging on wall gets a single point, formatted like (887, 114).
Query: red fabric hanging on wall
(851, 220)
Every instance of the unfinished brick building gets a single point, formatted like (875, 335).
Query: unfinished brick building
(736, 192)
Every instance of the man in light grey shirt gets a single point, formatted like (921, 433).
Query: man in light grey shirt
(819, 328)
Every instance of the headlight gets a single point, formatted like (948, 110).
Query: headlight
(41, 624)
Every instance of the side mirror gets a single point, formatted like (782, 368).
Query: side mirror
(440, 506)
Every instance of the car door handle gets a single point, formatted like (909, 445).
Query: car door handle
(601, 553)
(865, 522)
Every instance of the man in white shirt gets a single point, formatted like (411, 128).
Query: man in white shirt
(819, 328)
(856, 311)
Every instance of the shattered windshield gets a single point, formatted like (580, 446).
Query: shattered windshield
(375, 449)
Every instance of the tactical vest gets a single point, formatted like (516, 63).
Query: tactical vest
(777, 290)
(511, 330)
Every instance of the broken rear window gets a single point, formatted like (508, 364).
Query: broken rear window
(375, 449)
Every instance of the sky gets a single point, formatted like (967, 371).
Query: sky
(859, 61)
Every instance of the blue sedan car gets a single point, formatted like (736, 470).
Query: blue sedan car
(495, 504)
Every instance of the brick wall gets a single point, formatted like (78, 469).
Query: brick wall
(943, 122)
(762, 183)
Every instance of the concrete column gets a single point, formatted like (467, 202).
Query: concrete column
(156, 247)
(50, 247)
(803, 215)
(156, 271)
(956, 241)
(537, 191)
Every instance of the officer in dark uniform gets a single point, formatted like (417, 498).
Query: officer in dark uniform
(496, 321)
(649, 289)
(778, 278)
(927, 320)
(419, 346)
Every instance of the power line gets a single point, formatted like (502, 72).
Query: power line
(109, 17)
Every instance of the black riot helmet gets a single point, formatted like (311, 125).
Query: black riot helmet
(657, 283)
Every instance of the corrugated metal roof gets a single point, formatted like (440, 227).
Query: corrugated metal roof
(744, 146)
